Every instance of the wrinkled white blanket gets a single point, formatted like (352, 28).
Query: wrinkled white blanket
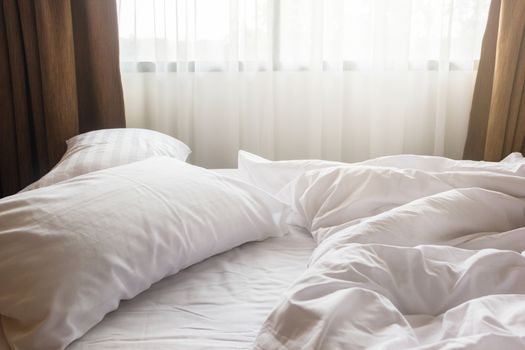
(414, 257)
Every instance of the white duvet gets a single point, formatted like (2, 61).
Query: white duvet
(411, 256)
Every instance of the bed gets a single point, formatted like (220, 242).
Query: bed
(398, 252)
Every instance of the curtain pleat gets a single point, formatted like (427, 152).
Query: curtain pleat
(99, 88)
(15, 140)
(61, 74)
(34, 83)
(497, 121)
(57, 67)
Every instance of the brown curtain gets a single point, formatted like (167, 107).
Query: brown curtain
(59, 76)
(497, 119)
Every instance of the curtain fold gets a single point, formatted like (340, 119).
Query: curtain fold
(60, 76)
(497, 120)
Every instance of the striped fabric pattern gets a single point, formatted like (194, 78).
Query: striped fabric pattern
(102, 149)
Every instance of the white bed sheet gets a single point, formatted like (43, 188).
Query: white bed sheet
(219, 303)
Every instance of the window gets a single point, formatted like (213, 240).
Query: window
(165, 35)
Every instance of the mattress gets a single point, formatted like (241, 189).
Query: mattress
(219, 303)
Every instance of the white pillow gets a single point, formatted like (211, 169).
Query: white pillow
(71, 251)
(102, 149)
(515, 157)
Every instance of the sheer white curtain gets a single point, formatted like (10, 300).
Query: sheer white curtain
(333, 79)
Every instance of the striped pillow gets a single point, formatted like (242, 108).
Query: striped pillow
(102, 149)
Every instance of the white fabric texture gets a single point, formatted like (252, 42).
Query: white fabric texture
(106, 148)
(71, 251)
(219, 303)
(426, 256)
(342, 80)
(274, 176)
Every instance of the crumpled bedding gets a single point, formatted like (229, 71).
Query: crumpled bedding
(408, 257)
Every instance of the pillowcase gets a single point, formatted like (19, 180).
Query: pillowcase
(71, 251)
(515, 157)
(102, 149)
